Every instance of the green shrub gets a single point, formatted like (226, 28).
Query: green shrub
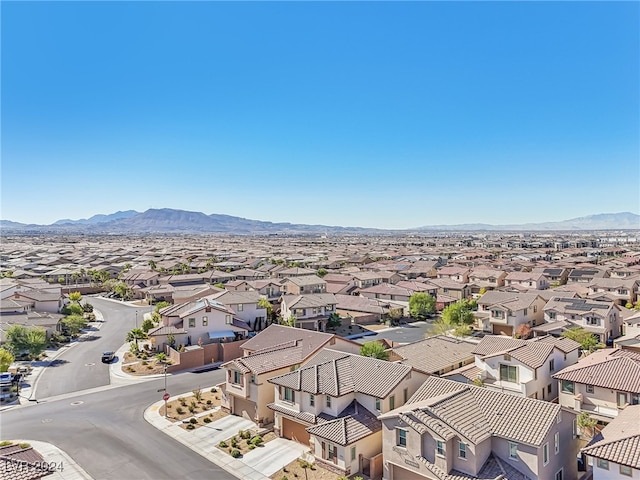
(206, 420)
(192, 409)
(179, 411)
(257, 440)
(246, 435)
(234, 442)
(4, 443)
(144, 362)
(214, 390)
(209, 402)
(223, 444)
(190, 426)
(24, 445)
(235, 453)
(251, 446)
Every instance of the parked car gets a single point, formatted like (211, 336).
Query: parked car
(107, 357)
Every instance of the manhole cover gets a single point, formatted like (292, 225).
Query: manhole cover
(47, 420)
(89, 364)
(79, 402)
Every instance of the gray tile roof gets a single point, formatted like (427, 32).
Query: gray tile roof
(275, 335)
(476, 413)
(353, 423)
(607, 369)
(435, 353)
(619, 441)
(493, 469)
(512, 301)
(18, 463)
(532, 353)
(348, 373)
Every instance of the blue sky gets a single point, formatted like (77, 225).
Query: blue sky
(389, 115)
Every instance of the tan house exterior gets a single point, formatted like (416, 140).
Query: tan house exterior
(450, 430)
(304, 285)
(501, 313)
(311, 311)
(601, 318)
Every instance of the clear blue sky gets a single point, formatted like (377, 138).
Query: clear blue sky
(386, 115)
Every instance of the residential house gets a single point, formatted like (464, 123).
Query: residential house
(362, 310)
(295, 272)
(367, 279)
(485, 278)
(613, 453)
(519, 367)
(451, 288)
(332, 403)
(585, 275)
(38, 300)
(455, 273)
(601, 384)
(501, 313)
(270, 289)
(526, 280)
(600, 318)
(276, 350)
(387, 291)
(304, 285)
(619, 290)
(245, 305)
(435, 355)
(453, 431)
(310, 311)
(555, 275)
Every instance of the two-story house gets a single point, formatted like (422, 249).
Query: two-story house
(613, 453)
(602, 383)
(435, 355)
(449, 430)
(601, 318)
(519, 367)
(455, 273)
(485, 278)
(619, 290)
(245, 305)
(366, 279)
(528, 280)
(387, 291)
(310, 311)
(304, 285)
(332, 403)
(504, 312)
(451, 288)
(555, 275)
(276, 350)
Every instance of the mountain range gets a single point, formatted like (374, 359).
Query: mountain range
(167, 220)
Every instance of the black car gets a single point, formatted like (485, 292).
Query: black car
(107, 357)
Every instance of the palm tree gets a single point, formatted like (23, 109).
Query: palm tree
(135, 335)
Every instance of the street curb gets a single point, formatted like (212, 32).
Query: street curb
(66, 468)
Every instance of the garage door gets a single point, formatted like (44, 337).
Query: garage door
(244, 408)
(503, 330)
(399, 473)
(295, 431)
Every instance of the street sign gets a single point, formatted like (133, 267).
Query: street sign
(161, 389)
(165, 397)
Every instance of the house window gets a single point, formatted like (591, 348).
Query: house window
(253, 378)
(589, 388)
(552, 365)
(332, 453)
(625, 470)
(401, 437)
(240, 307)
(549, 389)
(328, 401)
(559, 418)
(405, 395)
(509, 373)
(378, 404)
(227, 319)
(558, 475)
(353, 453)
(205, 321)
(567, 387)
(192, 323)
(289, 395)
(513, 451)
(525, 310)
(392, 402)
(440, 450)
(545, 454)
(622, 400)
(604, 464)
(552, 315)
(462, 450)
(574, 428)
(312, 400)
(237, 377)
(556, 442)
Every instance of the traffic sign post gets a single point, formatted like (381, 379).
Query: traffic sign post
(165, 397)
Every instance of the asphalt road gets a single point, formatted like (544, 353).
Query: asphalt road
(408, 333)
(107, 434)
(79, 367)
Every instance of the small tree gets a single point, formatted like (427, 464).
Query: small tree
(440, 327)
(586, 423)
(171, 340)
(6, 359)
(147, 325)
(75, 297)
(16, 339)
(523, 331)
(161, 305)
(322, 272)
(374, 349)
(458, 313)
(36, 341)
(135, 335)
(586, 339)
(73, 324)
(462, 331)
(334, 320)
(421, 305)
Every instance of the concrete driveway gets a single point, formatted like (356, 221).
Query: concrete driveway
(274, 455)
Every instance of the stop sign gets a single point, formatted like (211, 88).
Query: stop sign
(165, 397)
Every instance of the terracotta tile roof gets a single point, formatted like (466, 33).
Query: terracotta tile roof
(532, 353)
(619, 441)
(493, 469)
(353, 423)
(18, 463)
(267, 362)
(348, 373)
(476, 413)
(435, 353)
(512, 301)
(607, 369)
(470, 372)
(277, 334)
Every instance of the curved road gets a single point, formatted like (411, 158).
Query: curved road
(79, 367)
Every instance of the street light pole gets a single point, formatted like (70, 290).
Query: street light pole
(136, 318)
(165, 391)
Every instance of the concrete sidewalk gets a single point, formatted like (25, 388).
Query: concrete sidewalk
(257, 464)
(64, 467)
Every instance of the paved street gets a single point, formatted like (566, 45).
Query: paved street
(79, 366)
(105, 432)
(408, 333)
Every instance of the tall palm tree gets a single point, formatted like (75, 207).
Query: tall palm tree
(135, 335)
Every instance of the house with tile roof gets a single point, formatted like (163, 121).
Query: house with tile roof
(305, 284)
(614, 453)
(527, 280)
(18, 463)
(245, 305)
(332, 403)
(452, 431)
(519, 367)
(601, 384)
(619, 290)
(435, 355)
(501, 313)
(310, 310)
(274, 351)
(601, 318)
